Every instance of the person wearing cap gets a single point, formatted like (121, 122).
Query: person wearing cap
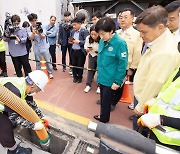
(22, 87)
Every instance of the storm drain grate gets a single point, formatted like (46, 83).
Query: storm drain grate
(82, 147)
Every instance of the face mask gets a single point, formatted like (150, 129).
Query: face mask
(31, 94)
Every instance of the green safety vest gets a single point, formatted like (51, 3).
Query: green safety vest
(2, 46)
(19, 83)
(168, 104)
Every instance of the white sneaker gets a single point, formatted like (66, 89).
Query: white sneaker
(51, 76)
(98, 90)
(131, 106)
(87, 89)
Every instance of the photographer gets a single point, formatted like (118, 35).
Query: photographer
(41, 46)
(17, 46)
(63, 36)
(51, 32)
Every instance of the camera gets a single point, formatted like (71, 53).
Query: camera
(38, 27)
(8, 26)
(67, 26)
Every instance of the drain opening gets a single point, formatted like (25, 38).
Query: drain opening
(82, 147)
(57, 144)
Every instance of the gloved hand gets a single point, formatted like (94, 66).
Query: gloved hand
(38, 125)
(149, 120)
(148, 105)
(2, 107)
(45, 122)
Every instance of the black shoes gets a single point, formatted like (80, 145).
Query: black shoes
(20, 150)
(74, 80)
(77, 80)
(131, 117)
(64, 69)
(97, 117)
(4, 74)
(55, 68)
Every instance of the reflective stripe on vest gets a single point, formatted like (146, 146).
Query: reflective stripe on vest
(2, 46)
(19, 83)
(168, 103)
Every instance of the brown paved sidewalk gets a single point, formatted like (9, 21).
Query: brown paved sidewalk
(63, 93)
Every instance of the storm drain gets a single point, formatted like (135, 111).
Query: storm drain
(59, 141)
(83, 146)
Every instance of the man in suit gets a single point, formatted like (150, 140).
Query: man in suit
(63, 36)
(77, 39)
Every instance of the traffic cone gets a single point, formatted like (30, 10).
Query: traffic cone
(43, 66)
(126, 97)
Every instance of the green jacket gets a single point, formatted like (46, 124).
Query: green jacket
(112, 61)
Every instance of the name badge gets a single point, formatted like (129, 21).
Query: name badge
(110, 49)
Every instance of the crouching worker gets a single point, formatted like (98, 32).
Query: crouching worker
(163, 117)
(23, 88)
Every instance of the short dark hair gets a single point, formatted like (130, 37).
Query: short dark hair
(81, 16)
(67, 13)
(97, 14)
(53, 17)
(15, 18)
(92, 28)
(77, 20)
(130, 10)
(32, 16)
(153, 16)
(25, 24)
(106, 24)
(173, 6)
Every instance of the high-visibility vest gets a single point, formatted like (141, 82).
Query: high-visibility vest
(168, 104)
(2, 46)
(19, 83)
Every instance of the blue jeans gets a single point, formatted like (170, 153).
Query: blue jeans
(47, 57)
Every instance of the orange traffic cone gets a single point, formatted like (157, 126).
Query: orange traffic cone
(126, 97)
(43, 66)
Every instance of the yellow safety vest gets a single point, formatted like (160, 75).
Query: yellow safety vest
(168, 104)
(2, 46)
(19, 83)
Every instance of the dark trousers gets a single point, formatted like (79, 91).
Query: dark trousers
(64, 51)
(131, 78)
(135, 118)
(117, 94)
(3, 62)
(78, 59)
(6, 132)
(19, 62)
(52, 51)
(106, 99)
(92, 63)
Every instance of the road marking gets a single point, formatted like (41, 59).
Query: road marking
(63, 113)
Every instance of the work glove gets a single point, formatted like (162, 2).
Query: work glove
(2, 107)
(149, 120)
(38, 126)
(45, 122)
(148, 105)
